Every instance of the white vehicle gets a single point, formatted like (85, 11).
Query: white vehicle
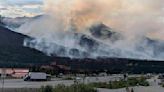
(37, 76)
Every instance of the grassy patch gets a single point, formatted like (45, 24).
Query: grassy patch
(72, 88)
(20, 90)
(68, 78)
(122, 84)
(59, 88)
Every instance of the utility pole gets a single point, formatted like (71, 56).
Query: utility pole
(127, 83)
(3, 78)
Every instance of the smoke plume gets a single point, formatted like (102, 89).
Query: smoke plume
(98, 28)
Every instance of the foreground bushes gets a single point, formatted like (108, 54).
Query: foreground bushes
(20, 90)
(73, 88)
(141, 81)
(59, 88)
(46, 89)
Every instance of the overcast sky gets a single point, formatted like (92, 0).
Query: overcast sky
(19, 8)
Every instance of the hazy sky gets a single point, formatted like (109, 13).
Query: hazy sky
(119, 14)
(16, 8)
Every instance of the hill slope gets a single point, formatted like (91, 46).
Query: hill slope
(13, 53)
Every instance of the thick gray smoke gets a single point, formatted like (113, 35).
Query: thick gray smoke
(81, 28)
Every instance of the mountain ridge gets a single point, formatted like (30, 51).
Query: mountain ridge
(12, 49)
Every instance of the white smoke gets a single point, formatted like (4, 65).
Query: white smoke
(66, 22)
(14, 23)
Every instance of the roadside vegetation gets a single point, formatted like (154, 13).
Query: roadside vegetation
(58, 88)
(141, 81)
(68, 78)
(162, 84)
(20, 90)
(72, 88)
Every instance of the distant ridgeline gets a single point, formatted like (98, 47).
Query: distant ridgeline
(13, 53)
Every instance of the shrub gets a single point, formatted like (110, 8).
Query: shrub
(72, 88)
(68, 78)
(141, 81)
(47, 89)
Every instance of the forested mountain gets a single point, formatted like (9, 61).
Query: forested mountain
(13, 52)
